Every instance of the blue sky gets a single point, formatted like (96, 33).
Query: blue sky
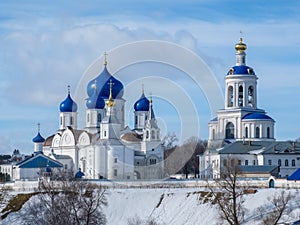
(46, 45)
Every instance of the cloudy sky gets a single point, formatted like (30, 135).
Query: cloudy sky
(47, 45)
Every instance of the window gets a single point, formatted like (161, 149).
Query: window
(268, 132)
(257, 131)
(251, 96)
(61, 120)
(246, 132)
(71, 120)
(88, 117)
(152, 161)
(147, 134)
(230, 96)
(239, 162)
(213, 134)
(246, 162)
(293, 162)
(66, 166)
(241, 94)
(224, 162)
(115, 172)
(116, 160)
(153, 134)
(269, 162)
(229, 131)
(254, 161)
(99, 118)
(279, 162)
(136, 120)
(105, 133)
(286, 162)
(128, 177)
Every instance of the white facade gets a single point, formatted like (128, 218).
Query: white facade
(242, 131)
(105, 148)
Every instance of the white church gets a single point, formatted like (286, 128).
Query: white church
(105, 148)
(244, 132)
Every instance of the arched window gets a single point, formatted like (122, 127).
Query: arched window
(213, 134)
(257, 131)
(286, 162)
(268, 132)
(241, 96)
(71, 120)
(99, 118)
(230, 96)
(251, 96)
(229, 131)
(279, 162)
(88, 117)
(293, 162)
(153, 134)
(246, 132)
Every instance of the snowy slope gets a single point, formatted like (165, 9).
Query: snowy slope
(174, 206)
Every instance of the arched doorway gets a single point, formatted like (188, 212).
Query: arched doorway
(271, 183)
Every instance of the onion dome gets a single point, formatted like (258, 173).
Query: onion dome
(103, 80)
(95, 101)
(240, 47)
(142, 104)
(38, 138)
(68, 105)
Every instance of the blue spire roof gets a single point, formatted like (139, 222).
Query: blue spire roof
(68, 105)
(103, 87)
(79, 174)
(257, 116)
(38, 138)
(142, 104)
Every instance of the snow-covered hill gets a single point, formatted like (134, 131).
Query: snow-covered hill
(175, 206)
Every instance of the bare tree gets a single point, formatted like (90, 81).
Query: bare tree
(278, 205)
(65, 202)
(228, 193)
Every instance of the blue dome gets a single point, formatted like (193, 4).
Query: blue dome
(48, 169)
(38, 138)
(79, 174)
(95, 101)
(241, 70)
(68, 105)
(103, 85)
(142, 104)
(257, 116)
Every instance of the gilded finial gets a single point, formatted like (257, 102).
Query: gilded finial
(69, 89)
(110, 102)
(105, 62)
(240, 47)
(143, 89)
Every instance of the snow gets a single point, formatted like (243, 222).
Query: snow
(176, 206)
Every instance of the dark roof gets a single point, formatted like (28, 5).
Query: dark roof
(242, 69)
(240, 147)
(258, 169)
(295, 175)
(48, 141)
(283, 147)
(38, 161)
(132, 137)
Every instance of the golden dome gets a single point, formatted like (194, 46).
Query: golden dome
(240, 47)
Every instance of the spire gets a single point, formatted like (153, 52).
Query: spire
(39, 126)
(151, 112)
(240, 53)
(105, 62)
(110, 102)
(69, 89)
(143, 89)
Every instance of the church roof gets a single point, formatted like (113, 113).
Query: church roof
(131, 137)
(258, 169)
(38, 161)
(49, 140)
(256, 116)
(142, 104)
(295, 175)
(241, 70)
(38, 138)
(246, 147)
